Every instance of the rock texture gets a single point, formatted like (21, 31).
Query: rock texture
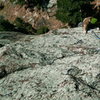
(63, 64)
(52, 3)
(34, 16)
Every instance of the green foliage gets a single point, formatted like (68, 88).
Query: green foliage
(20, 26)
(31, 3)
(26, 28)
(41, 3)
(70, 11)
(5, 25)
(20, 2)
(23, 27)
(42, 30)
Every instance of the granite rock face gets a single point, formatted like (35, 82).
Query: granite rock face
(63, 64)
(52, 3)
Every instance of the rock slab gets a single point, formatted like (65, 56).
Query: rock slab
(63, 64)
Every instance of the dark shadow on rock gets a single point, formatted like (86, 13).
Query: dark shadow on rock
(3, 72)
(9, 37)
(1, 45)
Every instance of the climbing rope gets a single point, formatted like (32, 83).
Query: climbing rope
(96, 35)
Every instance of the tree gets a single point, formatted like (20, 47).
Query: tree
(70, 11)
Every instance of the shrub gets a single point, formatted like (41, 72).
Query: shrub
(20, 2)
(32, 3)
(5, 25)
(42, 30)
(27, 28)
(40, 3)
(70, 11)
(23, 27)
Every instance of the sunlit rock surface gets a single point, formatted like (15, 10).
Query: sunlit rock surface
(63, 64)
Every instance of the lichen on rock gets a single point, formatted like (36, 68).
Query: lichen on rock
(63, 64)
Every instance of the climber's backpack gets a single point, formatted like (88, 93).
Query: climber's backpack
(93, 20)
